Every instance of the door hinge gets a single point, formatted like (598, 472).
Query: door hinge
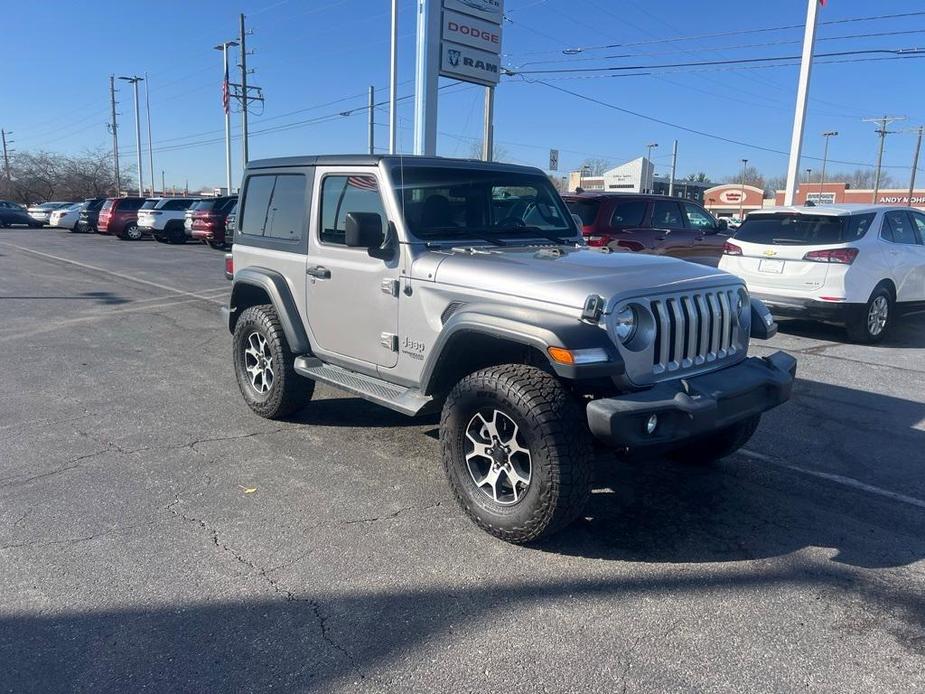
(389, 341)
(389, 287)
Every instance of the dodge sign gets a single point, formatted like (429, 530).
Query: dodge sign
(459, 28)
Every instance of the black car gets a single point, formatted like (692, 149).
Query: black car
(89, 215)
(15, 215)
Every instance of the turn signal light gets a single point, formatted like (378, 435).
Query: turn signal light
(731, 249)
(842, 256)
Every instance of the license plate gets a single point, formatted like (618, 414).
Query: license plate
(771, 266)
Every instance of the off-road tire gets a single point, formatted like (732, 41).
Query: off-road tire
(718, 444)
(553, 428)
(289, 391)
(858, 326)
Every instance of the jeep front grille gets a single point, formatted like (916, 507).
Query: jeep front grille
(694, 328)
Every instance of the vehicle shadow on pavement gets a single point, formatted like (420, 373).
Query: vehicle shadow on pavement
(907, 333)
(743, 508)
(328, 639)
(103, 298)
(350, 412)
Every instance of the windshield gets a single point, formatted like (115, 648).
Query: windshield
(802, 229)
(443, 204)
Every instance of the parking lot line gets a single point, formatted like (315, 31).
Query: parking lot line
(112, 274)
(837, 479)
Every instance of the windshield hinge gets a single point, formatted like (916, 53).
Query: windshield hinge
(389, 286)
(593, 309)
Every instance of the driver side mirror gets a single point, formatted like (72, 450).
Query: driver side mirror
(364, 230)
(721, 225)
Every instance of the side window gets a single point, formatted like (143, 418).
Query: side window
(698, 218)
(919, 219)
(666, 214)
(341, 195)
(899, 228)
(257, 193)
(286, 216)
(629, 213)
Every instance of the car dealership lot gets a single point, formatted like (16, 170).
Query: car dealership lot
(154, 533)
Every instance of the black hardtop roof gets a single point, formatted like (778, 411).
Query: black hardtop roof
(375, 159)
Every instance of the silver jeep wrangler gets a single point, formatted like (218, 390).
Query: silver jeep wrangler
(428, 284)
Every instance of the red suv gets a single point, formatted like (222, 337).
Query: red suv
(655, 224)
(208, 222)
(119, 217)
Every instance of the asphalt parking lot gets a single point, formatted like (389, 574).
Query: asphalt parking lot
(155, 534)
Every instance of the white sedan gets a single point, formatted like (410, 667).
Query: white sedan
(65, 217)
(860, 266)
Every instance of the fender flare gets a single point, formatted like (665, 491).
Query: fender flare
(276, 288)
(532, 328)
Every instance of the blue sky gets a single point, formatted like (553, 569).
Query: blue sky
(315, 59)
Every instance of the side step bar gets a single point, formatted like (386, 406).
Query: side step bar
(408, 401)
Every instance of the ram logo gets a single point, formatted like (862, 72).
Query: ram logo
(453, 56)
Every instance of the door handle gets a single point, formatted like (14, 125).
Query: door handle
(665, 233)
(319, 272)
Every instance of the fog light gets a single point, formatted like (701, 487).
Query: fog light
(651, 424)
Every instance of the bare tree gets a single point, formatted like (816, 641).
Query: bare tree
(595, 167)
(752, 177)
(498, 152)
(40, 176)
(699, 177)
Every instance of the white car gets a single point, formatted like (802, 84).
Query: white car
(66, 217)
(163, 218)
(857, 265)
(41, 212)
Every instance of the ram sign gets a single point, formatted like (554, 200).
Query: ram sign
(470, 40)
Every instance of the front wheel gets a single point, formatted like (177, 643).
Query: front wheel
(871, 323)
(264, 365)
(131, 233)
(516, 451)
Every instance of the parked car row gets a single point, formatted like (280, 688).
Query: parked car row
(166, 219)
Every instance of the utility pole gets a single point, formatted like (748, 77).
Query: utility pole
(134, 80)
(163, 185)
(674, 167)
(6, 154)
(882, 131)
(825, 157)
(372, 119)
(915, 160)
(742, 198)
(115, 132)
(645, 174)
(150, 146)
(488, 125)
(799, 114)
(393, 81)
(226, 107)
(244, 96)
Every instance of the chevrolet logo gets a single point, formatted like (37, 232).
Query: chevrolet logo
(769, 252)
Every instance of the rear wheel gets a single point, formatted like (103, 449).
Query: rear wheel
(871, 323)
(264, 365)
(132, 232)
(718, 444)
(217, 245)
(175, 234)
(516, 451)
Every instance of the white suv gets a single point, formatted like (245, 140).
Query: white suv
(163, 218)
(851, 264)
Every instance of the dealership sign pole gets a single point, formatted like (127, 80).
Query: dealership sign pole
(799, 116)
(460, 39)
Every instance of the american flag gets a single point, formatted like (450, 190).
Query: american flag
(363, 182)
(225, 94)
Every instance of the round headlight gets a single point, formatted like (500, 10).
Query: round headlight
(624, 324)
(742, 301)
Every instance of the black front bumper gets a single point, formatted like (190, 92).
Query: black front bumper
(689, 407)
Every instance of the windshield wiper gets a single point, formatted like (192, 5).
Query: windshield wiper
(462, 233)
(536, 231)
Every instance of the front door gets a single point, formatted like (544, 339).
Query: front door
(708, 243)
(352, 298)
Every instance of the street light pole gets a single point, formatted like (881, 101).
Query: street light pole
(649, 149)
(825, 157)
(150, 145)
(226, 107)
(134, 80)
(742, 198)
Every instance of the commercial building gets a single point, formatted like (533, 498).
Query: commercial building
(834, 193)
(636, 176)
(733, 200)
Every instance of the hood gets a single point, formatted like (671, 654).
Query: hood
(564, 276)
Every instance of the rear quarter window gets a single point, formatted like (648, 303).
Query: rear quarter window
(585, 209)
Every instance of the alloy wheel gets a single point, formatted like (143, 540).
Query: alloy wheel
(877, 315)
(258, 362)
(499, 463)
(133, 232)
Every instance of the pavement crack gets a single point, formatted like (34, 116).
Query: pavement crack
(273, 583)
(79, 539)
(388, 516)
(71, 464)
